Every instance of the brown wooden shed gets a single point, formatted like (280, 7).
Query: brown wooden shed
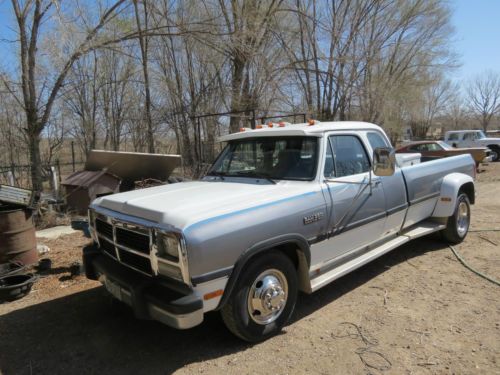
(82, 187)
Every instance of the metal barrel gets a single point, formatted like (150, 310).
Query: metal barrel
(17, 236)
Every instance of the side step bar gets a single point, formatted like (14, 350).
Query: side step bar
(421, 229)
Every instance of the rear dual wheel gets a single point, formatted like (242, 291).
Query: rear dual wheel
(495, 153)
(263, 299)
(457, 225)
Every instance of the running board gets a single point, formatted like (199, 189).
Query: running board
(418, 230)
(423, 229)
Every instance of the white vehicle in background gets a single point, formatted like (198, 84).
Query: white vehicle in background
(473, 138)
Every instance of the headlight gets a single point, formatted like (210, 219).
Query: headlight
(168, 246)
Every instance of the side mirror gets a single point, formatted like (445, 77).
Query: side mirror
(384, 161)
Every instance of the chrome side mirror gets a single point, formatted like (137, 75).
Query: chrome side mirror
(384, 161)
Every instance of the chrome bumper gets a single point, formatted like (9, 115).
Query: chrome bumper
(150, 298)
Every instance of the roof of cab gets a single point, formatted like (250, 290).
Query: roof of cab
(303, 129)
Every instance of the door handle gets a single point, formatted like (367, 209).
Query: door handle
(376, 183)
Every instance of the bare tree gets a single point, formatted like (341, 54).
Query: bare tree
(483, 97)
(431, 103)
(37, 101)
(81, 97)
(144, 47)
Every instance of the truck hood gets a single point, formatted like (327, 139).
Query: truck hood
(186, 203)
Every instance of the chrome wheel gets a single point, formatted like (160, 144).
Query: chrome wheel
(462, 218)
(267, 296)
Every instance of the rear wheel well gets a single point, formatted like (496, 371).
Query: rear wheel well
(468, 188)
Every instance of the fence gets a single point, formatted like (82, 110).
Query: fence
(20, 175)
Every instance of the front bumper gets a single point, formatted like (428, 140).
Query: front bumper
(487, 159)
(150, 298)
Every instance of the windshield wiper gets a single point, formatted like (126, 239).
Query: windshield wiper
(218, 174)
(256, 175)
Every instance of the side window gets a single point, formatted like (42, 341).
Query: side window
(376, 140)
(453, 137)
(349, 155)
(468, 136)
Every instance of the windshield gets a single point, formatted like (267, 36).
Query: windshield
(445, 146)
(284, 158)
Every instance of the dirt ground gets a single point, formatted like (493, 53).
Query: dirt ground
(416, 310)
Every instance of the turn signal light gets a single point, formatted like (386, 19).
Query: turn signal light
(214, 294)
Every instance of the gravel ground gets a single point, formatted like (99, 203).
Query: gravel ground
(415, 310)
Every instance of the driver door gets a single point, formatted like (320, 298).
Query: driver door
(356, 212)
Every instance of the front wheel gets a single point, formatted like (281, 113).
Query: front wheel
(263, 299)
(458, 224)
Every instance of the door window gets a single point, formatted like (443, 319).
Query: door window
(349, 155)
(376, 140)
(469, 136)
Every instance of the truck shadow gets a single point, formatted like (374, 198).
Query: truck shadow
(87, 333)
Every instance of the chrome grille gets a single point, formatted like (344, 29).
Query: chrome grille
(133, 240)
(127, 243)
(104, 228)
(135, 261)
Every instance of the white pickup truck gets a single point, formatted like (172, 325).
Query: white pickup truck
(284, 208)
(473, 138)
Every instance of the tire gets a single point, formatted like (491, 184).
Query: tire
(495, 153)
(458, 224)
(252, 319)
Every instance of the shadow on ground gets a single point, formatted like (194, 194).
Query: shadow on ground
(86, 333)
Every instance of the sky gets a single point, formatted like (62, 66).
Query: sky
(477, 36)
(476, 39)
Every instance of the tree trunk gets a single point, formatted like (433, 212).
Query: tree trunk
(236, 95)
(35, 161)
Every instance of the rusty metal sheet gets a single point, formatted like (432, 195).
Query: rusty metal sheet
(133, 166)
(83, 178)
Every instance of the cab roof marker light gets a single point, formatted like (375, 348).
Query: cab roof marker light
(259, 126)
(312, 122)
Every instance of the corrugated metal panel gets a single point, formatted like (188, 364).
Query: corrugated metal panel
(133, 166)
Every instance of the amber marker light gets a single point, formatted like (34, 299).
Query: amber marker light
(214, 294)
